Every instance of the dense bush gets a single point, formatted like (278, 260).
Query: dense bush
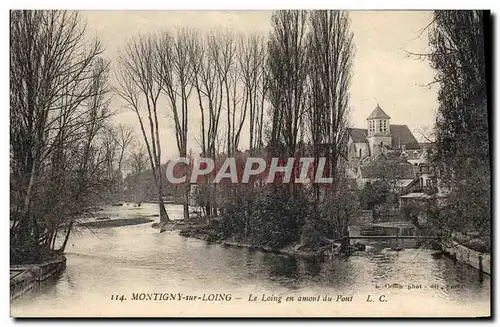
(266, 216)
(271, 216)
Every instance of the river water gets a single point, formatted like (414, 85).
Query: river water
(132, 260)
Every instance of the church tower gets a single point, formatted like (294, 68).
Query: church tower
(379, 131)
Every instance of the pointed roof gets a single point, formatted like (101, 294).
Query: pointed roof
(378, 113)
(358, 135)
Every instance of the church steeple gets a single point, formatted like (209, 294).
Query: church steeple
(379, 130)
(378, 113)
(378, 122)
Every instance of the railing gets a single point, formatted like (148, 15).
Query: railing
(393, 237)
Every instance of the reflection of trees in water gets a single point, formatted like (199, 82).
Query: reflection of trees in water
(249, 258)
(310, 268)
(283, 270)
(289, 271)
(281, 266)
(69, 281)
(460, 280)
(340, 273)
(47, 286)
(291, 267)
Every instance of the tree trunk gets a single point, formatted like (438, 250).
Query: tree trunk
(66, 238)
(163, 212)
(208, 211)
(186, 202)
(53, 240)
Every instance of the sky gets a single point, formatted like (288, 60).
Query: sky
(383, 72)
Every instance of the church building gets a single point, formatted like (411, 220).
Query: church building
(381, 137)
(387, 144)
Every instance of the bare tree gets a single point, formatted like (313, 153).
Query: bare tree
(138, 83)
(175, 74)
(138, 159)
(58, 109)
(287, 65)
(116, 142)
(138, 162)
(124, 140)
(262, 96)
(223, 50)
(205, 54)
(330, 51)
(251, 61)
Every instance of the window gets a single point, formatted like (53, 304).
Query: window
(428, 183)
(360, 152)
(384, 129)
(380, 126)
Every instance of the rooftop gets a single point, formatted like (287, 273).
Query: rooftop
(378, 113)
(400, 135)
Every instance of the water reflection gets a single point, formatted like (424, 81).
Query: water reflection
(281, 266)
(310, 267)
(138, 257)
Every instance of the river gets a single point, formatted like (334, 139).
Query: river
(137, 259)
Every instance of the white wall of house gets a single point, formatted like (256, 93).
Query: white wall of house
(357, 149)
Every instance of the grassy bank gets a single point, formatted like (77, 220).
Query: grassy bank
(206, 233)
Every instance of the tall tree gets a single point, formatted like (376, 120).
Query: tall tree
(457, 39)
(58, 108)
(175, 74)
(251, 61)
(330, 51)
(205, 56)
(226, 65)
(287, 66)
(138, 85)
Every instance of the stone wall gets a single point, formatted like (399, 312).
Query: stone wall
(23, 278)
(364, 217)
(478, 260)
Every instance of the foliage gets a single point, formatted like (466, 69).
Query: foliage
(268, 216)
(288, 68)
(412, 211)
(374, 194)
(457, 39)
(264, 216)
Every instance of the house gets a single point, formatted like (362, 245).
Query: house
(395, 171)
(422, 156)
(416, 197)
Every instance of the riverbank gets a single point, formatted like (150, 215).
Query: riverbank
(98, 263)
(480, 261)
(205, 233)
(116, 222)
(24, 278)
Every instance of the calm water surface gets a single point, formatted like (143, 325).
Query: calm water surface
(136, 259)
